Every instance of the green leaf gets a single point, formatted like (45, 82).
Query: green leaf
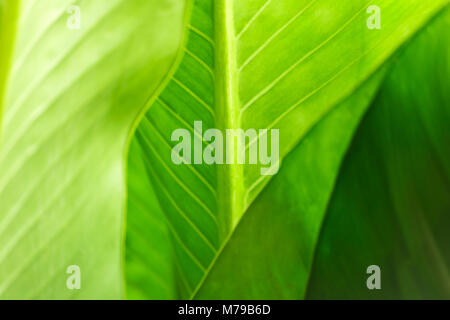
(72, 99)
(391, 205)
(307, 68)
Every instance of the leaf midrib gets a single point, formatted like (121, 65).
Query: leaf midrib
(230, 177)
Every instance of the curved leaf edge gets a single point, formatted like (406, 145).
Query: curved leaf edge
(151, 99)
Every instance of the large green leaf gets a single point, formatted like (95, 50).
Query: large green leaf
(284, 244)
(343, 254)
(299, 66)
(72, 99)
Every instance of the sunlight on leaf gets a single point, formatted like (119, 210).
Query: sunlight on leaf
(72, 99)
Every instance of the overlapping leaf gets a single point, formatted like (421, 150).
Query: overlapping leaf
(391, 205)
(287, 65)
